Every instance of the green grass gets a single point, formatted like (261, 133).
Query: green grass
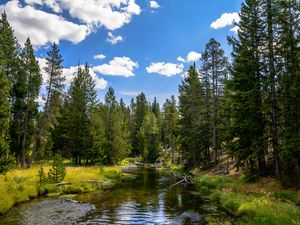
(249, 204)
(20, 185)
(213, 182)
(258, 210)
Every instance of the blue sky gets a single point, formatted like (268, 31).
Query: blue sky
(140, 39)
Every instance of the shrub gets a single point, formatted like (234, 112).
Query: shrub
(58, 171)
(42, 176)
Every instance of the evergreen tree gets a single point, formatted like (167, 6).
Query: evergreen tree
(192, 127)
(116, 144)
(58, 171)
(149, 134)
(82, 100)
(54, 91)
(271, 69)
(4, 118)
(289, 87)
(25, 109)
(140, 109)
(10, 50)
(247, 126)
(170, 120)
(214, 70)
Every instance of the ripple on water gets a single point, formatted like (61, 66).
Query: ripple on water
(55, 212)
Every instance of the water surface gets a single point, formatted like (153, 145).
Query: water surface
(147, 200)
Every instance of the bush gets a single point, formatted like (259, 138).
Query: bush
(58, 171)
(42, 176)
(112, 172)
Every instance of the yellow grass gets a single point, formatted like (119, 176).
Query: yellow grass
(20, 185)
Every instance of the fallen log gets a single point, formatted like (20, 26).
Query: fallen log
(179, 182)
(182, 178)
(80, 181)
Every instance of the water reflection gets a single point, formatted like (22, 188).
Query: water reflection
(147, 200)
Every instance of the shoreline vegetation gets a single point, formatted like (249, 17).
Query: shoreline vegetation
(21, 185)
(260, 202)
(255, 202)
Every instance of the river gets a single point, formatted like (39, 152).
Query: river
(147, 200)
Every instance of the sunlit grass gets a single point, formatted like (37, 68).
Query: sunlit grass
(259, 203)
(20, 185)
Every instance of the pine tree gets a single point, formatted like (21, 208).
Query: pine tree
(10, 50)
(140, 109)
(116, 144)
(4, 118)
(170, 120)
(192, 127)
(25, 109)
(270, 13)
(150, 134)
(247, 125)
(82, 100)
(214, 71)
(289, 87)
(58, 171)
(54, 91)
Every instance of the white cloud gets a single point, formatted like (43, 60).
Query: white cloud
(100, 56)
(235, 29)
(180, 59)
(52, 4)
(113, 39)
(165, 69)
(112, 14)
(40, 26)
(119, 66)
(154, 5)
(225, 20)
(191, 57)
(69, 73)
(42, 64)
(130, 93)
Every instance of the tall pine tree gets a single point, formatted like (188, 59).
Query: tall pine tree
(192, 128)
(247, 126)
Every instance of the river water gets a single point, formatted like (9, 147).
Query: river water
(148, 199)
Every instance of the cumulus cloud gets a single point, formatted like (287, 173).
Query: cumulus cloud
(112, 14)
(165, 69)
(119, 66)
(113, 39)
(44, 26)
(52, 4)
(100, 56)
(40, 26)
(154, 5)
(225, 20)
(69, 74)
(180, 59)
(191, 57)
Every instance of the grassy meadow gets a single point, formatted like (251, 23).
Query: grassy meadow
(20, 185)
